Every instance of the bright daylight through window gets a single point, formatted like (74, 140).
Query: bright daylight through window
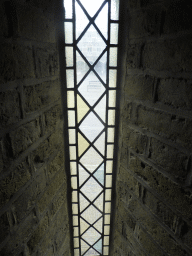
(91, 41)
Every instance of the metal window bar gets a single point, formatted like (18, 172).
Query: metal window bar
(106, 157)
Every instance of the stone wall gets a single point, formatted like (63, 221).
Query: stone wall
(33, 201)
(154, 176)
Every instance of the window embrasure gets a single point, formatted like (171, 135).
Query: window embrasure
(91, 47)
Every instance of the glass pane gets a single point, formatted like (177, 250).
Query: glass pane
(102, 21)
(81, 20)
(72, 136)
(112, 78)
(73, 167)
(84, 246)
(91, 88)
(91, 44)
(99, 225)
(83, 226)
(101, 67)
(112, 98)
(91, 252)
(76, 242)
(106, 250)
(74, 196)
(68, 32)
(100, 108)
(71, 118)
(82, 144)
(114, 33)
(99, 174)
(109, 166)
(83, 202)
(68, 9)
(76, 252)
(75, 231)
(75, 208)
(74, 182)
(110, 135)
(91, 160)
(99, 202)
(82, 108)
(113, 57)
(75, 220)
(108, 207)
(108, 195)
(107, 219)
(106, 230)
(72, 152)
(100, 143)
(98, 246)
(110, 149)
(108, 181)
(69, 56)
(91, 6)
(111, 117)
(91, 236)
(91, 189)
(114, 9)
(70, 99)
(70, 78)
(91, 214)
(82, 67)
(91, 126)
(83, 175)
(106, 240)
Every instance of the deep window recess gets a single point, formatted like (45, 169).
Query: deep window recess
(91, 47)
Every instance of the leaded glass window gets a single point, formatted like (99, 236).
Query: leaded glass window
(91, 48)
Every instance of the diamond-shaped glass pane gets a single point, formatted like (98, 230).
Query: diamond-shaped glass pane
(83, 175)
(81, 20)
(91, 236)
(82, 67)
(91, 214)
(91, 6)
(99, 225)
(102, 21)
(91, 44)
(91, 252)
(98, 246)
(91, 189)
(91, 126)
(83, 226)
(100, 108)
(91, 159)
(83, 202)
(91, 88)
(100, 143)
(99, 174)
(84, 247)
(99, 202)
(101, 67)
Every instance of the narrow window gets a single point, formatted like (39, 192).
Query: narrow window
(91, 47)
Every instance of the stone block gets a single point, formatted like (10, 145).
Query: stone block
(4, 27)
(24, 136)
(171, 160)
(4, 227)
(175, 92)
(51, 190)
(41, 95)
(7, 63)
(47, 61)
(59, 200)
(53, 118)
(26, 201)
(56, 164)
(169, 55)
(133, 56)
(13, 182)
(9, 108)
(38, 233)
(139, 87)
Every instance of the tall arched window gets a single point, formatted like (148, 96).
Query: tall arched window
(91, 48)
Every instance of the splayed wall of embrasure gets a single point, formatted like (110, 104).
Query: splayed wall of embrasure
(33, 205)
(154, 179)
